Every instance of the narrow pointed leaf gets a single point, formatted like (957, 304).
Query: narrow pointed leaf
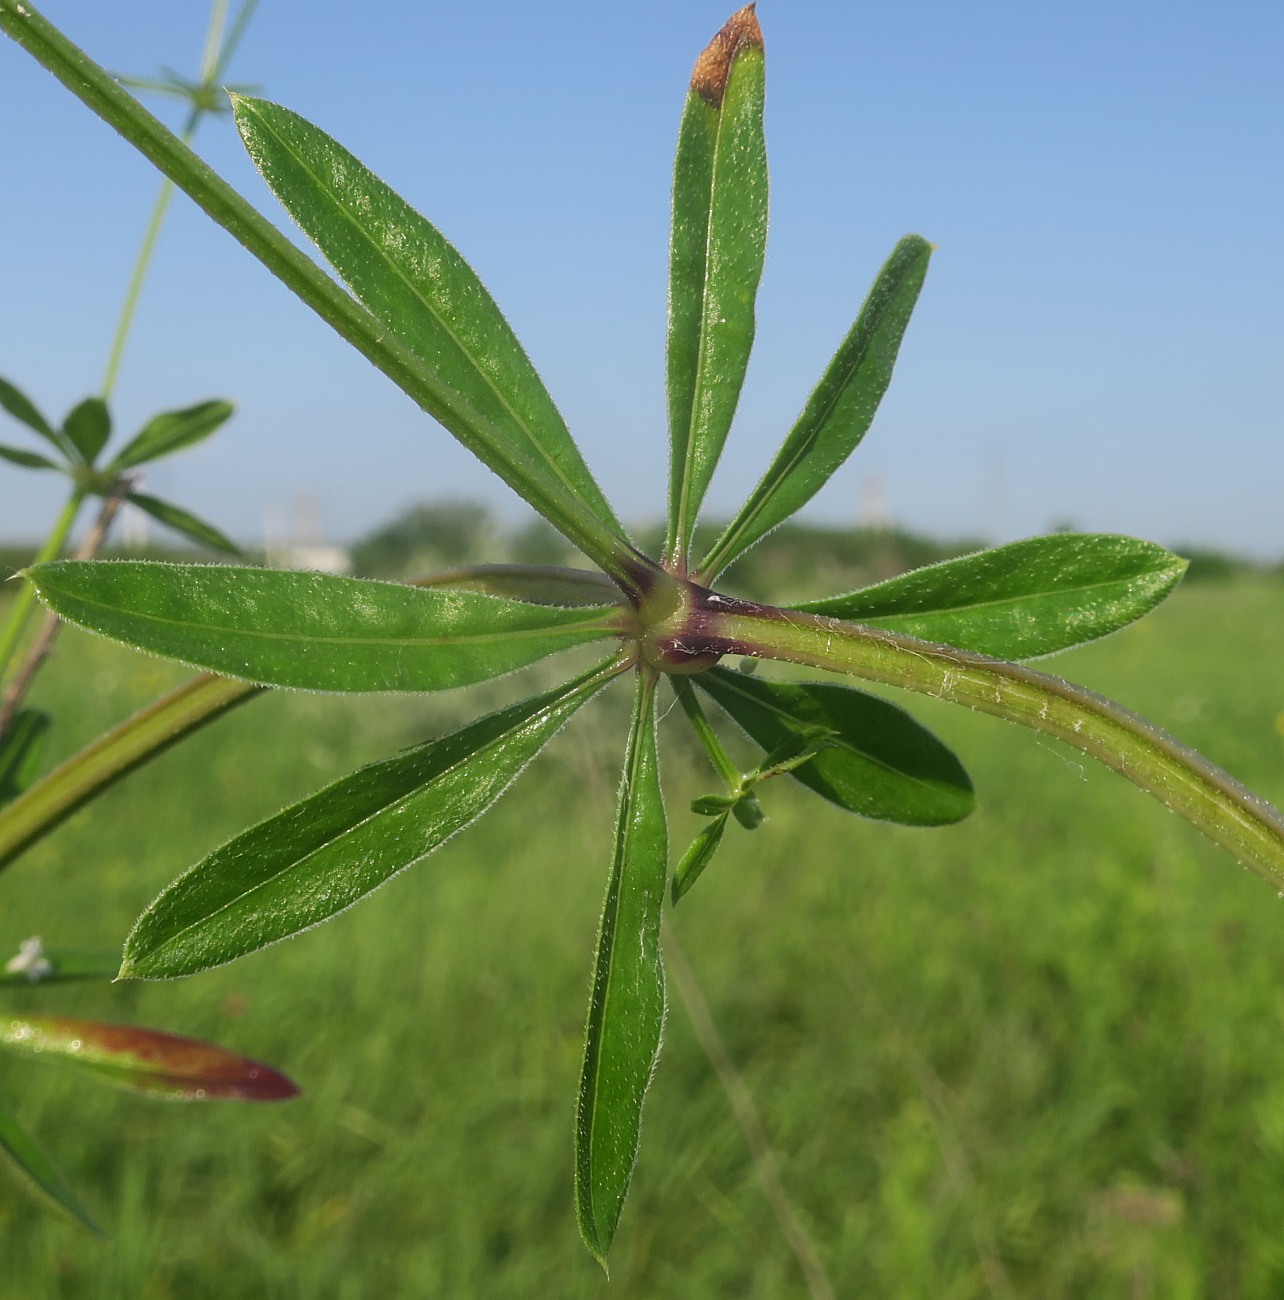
(88, 427)
(182, 521)
(312, 631)
(537, 584)
(25, 411)
(318, 857)
(1020, 601)
(878, 761)
(172, 431)
(626, 1010)
(32, 1161)
(146, 1060)
(839, 411)
(715, 262)
(699, 855)
(22, 749)
(483, 387)
(27, 459)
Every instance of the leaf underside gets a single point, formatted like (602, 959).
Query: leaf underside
(319, 856)
(479, 381)
(877, 760)
(312, 631)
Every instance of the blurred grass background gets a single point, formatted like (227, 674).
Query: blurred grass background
(1038, 1054)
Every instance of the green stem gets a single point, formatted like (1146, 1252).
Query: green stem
(210, 64)
(100, 92)
(718, 756)
(26, 599)
(152, 730)
(1179, 777)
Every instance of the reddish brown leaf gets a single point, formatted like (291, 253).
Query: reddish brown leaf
(146, 1060)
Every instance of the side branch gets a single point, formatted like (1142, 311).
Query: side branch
(1180, 778)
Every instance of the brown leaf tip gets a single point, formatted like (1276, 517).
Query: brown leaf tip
(713, 67)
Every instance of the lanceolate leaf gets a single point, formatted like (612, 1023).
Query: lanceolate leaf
(839, 411)
(30, 1159)
(171, 431)
(1020, 601)
(412, 280)
(27, 459)
(877, 760)
(313, 631)
(716, 255)
(24, 410)
(699, 855)
(321, 855)
(21, 749)
(626, 1011)
(146, 1060)
(88, 426)
(181, 521)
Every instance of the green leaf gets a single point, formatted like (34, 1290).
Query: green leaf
(312, 631)
(482, 385)
(626, 1010)
(171, 431)
(838, 412)
(318, 857)
(1019, 601)
(183, 522)
(31, 1160)
(88, 427)
(146, 1060)
(24, 410)
(878, 761)
(715, 260)
(699, 855)
(27, 459)
(22, 748)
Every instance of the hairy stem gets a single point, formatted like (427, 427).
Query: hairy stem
(152, 730)
(26, 599)
(718, 756)
(1179, 777)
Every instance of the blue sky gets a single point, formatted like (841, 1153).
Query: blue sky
(1099, 341)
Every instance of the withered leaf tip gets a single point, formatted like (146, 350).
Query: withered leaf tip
(713, 67)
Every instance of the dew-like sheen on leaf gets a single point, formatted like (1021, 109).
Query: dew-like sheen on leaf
(1020, 601)
(312, 631)
(878, 761)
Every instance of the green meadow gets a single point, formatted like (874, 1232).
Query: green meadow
(1037, 1054)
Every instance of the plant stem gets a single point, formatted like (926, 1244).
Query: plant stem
(547, 493)
(1181, 779)
(210, 66)
(718, 756)
(26, 598)
(152, 730)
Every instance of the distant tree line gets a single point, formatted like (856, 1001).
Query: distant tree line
(796, 561)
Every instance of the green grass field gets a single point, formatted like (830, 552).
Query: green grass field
(1039, 1054)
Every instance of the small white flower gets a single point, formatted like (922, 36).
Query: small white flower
(30, 961)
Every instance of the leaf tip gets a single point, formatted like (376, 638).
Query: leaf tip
(713, 67)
